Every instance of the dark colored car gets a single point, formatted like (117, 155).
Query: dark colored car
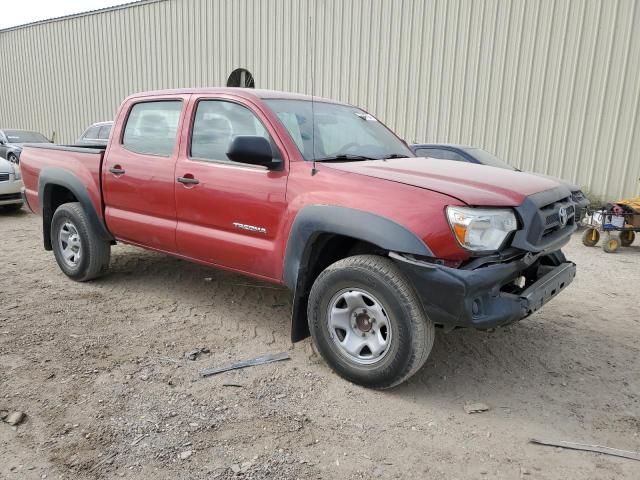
(96, 134)
(11, 142)
(464, 153)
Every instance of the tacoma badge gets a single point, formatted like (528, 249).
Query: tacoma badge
(251, 228)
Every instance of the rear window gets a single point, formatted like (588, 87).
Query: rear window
(92, 132)
(23, 136)
(152, 127)
(441, 154)
(104, 132)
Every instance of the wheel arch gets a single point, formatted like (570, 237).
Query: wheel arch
(56, 187)
(322, 234)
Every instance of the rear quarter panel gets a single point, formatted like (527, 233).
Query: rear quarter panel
(84, 166)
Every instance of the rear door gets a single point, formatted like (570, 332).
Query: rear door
(138, 172)
(231, 217)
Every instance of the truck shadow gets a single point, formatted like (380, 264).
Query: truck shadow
(549, 354)
(6, 212)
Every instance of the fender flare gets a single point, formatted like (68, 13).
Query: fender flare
(52, 176)
(314, 220)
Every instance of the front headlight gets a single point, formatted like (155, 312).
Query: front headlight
(481, 229)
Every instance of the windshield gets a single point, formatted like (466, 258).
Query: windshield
(485, 158)
(340, 131)
(22, 136)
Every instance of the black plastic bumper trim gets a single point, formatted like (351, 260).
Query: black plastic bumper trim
(473, 298)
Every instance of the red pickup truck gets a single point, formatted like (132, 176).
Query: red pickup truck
(378, 247)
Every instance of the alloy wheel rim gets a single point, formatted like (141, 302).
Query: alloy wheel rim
(70, 244)
(359, 326)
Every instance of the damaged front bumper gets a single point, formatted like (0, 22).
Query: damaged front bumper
(486, 297)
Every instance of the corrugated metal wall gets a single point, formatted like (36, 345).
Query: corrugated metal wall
(549, 85)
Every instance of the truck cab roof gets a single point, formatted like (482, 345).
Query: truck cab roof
(250, 93)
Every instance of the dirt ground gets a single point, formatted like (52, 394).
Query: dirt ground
(99, 369)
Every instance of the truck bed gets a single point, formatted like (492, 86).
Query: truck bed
(82, 161)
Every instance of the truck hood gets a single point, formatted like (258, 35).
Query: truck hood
(478, 185)
(571, 186)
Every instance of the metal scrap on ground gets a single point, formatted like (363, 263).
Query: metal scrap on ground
(261, 360)
(476, 407)
(589, 448)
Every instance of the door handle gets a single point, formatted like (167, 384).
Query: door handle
(117, 170)
(188, 180)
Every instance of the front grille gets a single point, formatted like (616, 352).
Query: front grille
(540, 217)
(555, 217)
(10, 196)
(4, 177)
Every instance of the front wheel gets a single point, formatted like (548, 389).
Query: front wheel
(367, 322)
(12, 158)
(80, 253)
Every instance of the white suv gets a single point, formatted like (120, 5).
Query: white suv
(10, 185)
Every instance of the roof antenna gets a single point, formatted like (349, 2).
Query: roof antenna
(313, 113)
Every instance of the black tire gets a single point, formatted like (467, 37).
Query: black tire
(611, 243)
(95, 252)
(590, 237)
(412, 332)
(627, 238)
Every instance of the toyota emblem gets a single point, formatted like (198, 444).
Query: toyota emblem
(562, 215)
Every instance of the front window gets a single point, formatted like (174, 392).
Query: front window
(216, 124)
(22, 136)
(340, 131)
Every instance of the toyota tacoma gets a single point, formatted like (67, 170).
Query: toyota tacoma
(378, 247)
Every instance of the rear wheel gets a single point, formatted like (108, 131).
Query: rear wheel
(627, 238)
(367, 322)
(590, 237)
(611, 243)
(80, 253)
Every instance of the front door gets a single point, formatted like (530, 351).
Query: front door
(229, 214)
(138, 173)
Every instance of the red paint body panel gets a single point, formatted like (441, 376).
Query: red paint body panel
(228, 194)
(140, 204)
(147, 207)
(477, 185)
(420, 211)
(85, 166)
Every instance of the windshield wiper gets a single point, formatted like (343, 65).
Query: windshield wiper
(395, 155)
(344, 157)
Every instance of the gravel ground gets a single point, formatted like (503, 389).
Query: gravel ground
(100, 371)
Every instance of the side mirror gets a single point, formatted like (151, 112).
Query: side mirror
(252, 149)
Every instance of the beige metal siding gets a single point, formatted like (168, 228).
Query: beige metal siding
(548, 85)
